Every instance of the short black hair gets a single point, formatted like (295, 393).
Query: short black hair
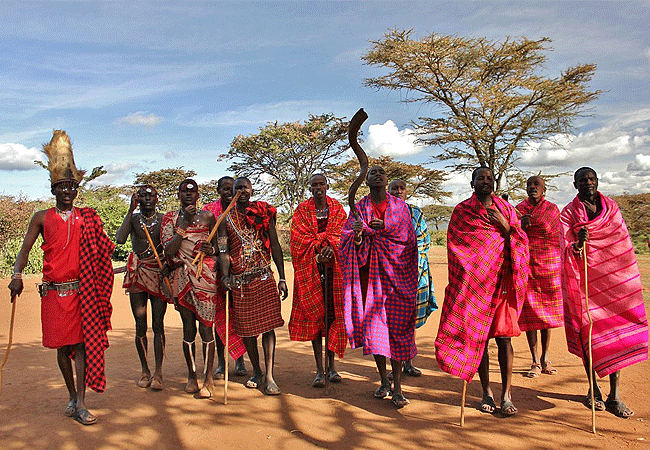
(222, 179)
(188, 181)
(583, 169)
(478, 169)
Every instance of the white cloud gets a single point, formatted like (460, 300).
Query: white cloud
(19, 157)
(141, 118)
(387, 139)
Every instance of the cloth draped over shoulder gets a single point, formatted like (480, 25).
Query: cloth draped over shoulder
(95, 288)
(480, 258)
(236, 347)
(426, 299)
(542, 308)
(384, 322)
(620, 330)
(194, 293)
(308, 311)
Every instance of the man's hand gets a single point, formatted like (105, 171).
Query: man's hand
(583, 236)
(376, 224)
(228, 282)
(135, 201)
(207, 248)
(16, 288)
(187, 214)
(498, 219)
(284, 290)
(357, 227)
(325, 255)
(525, 220)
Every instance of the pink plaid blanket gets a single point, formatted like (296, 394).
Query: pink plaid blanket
(542, 308)
(620, 332)
(478, 260)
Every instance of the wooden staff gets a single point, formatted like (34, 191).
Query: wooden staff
(327, 340)
(155, 253)
(591, 354)
(462, 404)
(226, 354)
(199, 256)
(11, 337)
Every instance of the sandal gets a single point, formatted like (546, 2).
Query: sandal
(254, 382)
(71, 409)
(144, 381)
(599, 403)
(319, 381)
(412, 371)
(487, 405)
(383, 391)
(271, 389)
(548, 369)
(399, 400)
(535, 370)
(508, 408)
(618, 408)
(156, 383)
(85, 417)
(334, 376)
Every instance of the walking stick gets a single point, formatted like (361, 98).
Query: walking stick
(327, 340)
(591, 355)
(155, 253)
(462, 404)
(11, 337)
(199, 256)
(226, 354)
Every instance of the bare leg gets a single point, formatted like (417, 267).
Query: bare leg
(139, 309)
(253, 355)
(82, 415)
(189, 348)
(506, 357)
(65, 365)
(158, 309)
(208, 360)
(487, 403)
(384, 390)
(268, 345)
(547, 367)
(614, 403)
(531, 336)
(398, 398)
(221, 358)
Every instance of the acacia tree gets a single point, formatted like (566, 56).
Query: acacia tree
(166, 182)
(491, 96)
(421, 183)
(281, 157)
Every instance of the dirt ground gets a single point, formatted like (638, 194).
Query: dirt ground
(551, 414)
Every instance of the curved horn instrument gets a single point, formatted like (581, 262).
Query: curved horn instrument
(353, 130)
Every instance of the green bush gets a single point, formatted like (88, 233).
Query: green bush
(438, 237)
(10, 250)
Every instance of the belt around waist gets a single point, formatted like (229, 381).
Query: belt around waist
(250, 275)
(63, 289)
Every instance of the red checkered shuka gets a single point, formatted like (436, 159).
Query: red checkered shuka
(542, 308)
(95, 288)
(476, 252)
(308, 311)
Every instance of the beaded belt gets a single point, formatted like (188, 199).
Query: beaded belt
(250, 275)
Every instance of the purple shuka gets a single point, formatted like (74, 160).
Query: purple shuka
(383, 324)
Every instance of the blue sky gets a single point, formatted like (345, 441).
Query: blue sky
(142, 86)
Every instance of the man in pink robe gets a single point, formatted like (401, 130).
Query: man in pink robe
(592, 224)
(542, 309)
(488, 271)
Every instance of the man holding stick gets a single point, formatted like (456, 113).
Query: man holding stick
(77, 280)
(143, 281)
(488, 271)
(236, 344)
(315, 234)
(184, 234)
(542, 308)
(247, 241)
(378, 255)
(592, 225)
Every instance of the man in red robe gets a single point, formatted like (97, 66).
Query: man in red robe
(77, 280)
(315, 234)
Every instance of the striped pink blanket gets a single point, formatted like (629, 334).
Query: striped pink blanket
(479, 257)
(543, 305)
(620, 332)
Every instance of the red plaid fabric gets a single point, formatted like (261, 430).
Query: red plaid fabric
(95, 288)
(620, 331)
(477, 256)
(236, 346)
(308, 311)
(384, 322)
(143, 275)
(256, 305)
(542, 308)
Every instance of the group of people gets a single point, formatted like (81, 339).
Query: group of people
(362, 279)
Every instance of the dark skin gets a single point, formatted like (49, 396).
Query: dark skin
(146, 199)
(377, 181)
(318, 187)
(586, 182)
(483, 185)
(225, 192)
(65, 193)
(536, 189)
(397, 188)
(268, 339)
(188, 195)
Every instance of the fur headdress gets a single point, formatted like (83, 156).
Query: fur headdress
(60, 159)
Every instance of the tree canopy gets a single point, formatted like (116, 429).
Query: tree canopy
(491, 95)
(281, 157)
(420, 182)
(166, 182)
